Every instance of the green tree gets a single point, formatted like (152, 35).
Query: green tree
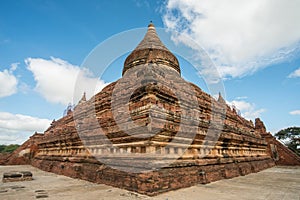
(2, 147)
(8, 148)
(291, 138)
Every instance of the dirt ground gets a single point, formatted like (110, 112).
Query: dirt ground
(275, 183)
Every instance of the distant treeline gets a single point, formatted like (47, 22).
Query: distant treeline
(8, 148)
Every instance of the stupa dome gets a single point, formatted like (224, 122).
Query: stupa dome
(151, 50)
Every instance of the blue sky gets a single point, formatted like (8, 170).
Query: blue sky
(254, 45)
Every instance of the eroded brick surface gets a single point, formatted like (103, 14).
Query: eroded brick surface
(173, 136)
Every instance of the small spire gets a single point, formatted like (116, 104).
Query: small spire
(151, 24)
(221, 99)
(83, 98)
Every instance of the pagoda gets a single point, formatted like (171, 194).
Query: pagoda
(151, 131)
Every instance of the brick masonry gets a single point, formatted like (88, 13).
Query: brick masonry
(164, 142)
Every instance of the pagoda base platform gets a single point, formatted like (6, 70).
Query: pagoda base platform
(158, 181)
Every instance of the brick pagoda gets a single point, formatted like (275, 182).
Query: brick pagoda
(151, 131)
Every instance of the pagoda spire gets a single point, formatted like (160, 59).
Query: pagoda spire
(221, 99)
(151, 50)
(83, 98)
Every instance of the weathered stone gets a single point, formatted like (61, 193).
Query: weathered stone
(17, 176)
(164, 143)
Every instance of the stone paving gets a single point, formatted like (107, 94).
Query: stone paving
(277, 183)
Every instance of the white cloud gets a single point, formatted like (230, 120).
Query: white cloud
(295, 112)
(140, 3)
(22, 122)
(24, 88)
(16, 128)
(56, 80)
(241, 98)
(248, 110)
(240, 36)
(8, 81)
(13, 67)
(295, 74)
(13, 137)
